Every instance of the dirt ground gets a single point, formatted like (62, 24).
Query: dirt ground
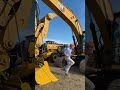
(76, 81)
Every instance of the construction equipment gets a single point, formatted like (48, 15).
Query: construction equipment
(105, 26)
(105, 35)
(13, 11)
(49, 48)
(52, 51)
(68, 16)
(41, 30)
(42, 73)
(12, 20)
(27, 61)
(104, 43)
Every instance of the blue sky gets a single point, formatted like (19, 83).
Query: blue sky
(58, 28)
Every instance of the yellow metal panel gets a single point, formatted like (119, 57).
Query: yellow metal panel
(53, 46)
(47, 54)
(43, 75)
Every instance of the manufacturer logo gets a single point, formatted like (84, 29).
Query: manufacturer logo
(61, 7)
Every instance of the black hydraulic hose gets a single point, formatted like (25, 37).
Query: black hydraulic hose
(74, 44)
(95, 40)
(92, 27)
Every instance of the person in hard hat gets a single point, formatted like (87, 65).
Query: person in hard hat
(68, 59)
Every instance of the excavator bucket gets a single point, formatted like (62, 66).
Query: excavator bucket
(43, 75)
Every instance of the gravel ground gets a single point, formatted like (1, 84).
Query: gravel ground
(75, 82)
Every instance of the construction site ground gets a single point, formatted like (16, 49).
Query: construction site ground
(76, 81)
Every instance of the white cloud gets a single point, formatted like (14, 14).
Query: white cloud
(57, 41)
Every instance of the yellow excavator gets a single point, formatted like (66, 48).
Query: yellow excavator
(14, 17)
(43, 75)
(12, 11)
(69, 17)
(104, 42)
(14, 75)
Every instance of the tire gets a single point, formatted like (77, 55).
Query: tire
(54, 56)
(57, 59)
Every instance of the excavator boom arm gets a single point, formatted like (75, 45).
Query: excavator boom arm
(68, 16)
(42, 30)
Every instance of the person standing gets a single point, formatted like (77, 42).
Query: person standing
(68, 59)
